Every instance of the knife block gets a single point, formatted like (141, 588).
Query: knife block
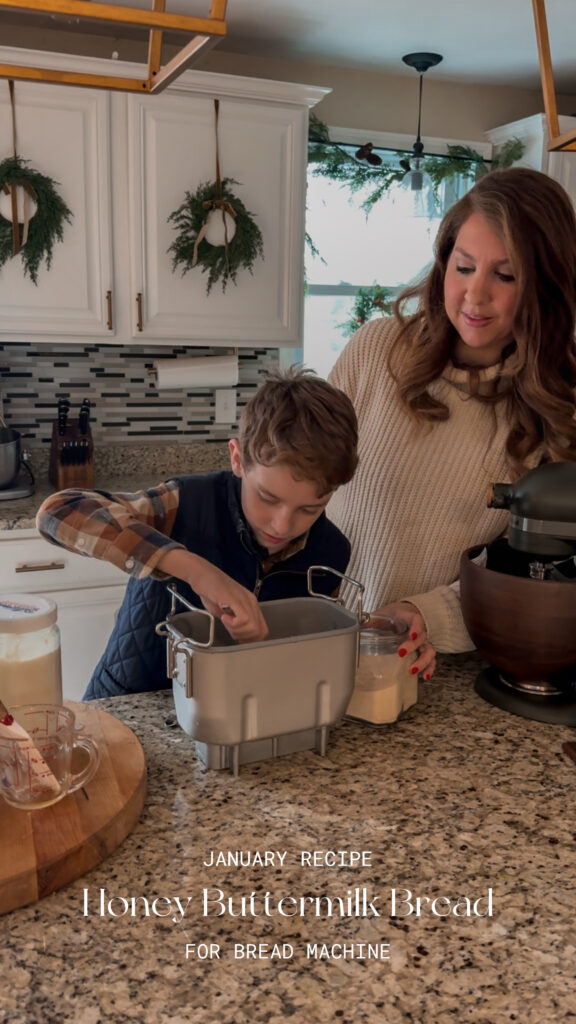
(71, 457)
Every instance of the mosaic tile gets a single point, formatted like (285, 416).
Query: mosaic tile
(125, 404)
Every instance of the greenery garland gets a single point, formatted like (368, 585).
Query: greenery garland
(332, 161)
(45, 228)
(220, 261)
(367, 302)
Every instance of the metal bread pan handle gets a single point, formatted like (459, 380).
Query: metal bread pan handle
(165, 629)
(362, 617)
(172, 648)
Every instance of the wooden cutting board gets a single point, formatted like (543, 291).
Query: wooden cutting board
(40, 851)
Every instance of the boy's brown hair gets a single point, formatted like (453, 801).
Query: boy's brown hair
(301, 421)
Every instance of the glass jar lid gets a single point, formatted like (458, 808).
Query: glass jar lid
(24, 613)
(385, 636)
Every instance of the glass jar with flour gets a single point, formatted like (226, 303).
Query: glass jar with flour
(383, 685)
(30, 660)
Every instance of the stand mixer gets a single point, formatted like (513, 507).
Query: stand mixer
(13, 483)
(519, 598)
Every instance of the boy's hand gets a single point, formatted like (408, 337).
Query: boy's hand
(232, 603)
(220, 594)
(240, 613)
(416, 642)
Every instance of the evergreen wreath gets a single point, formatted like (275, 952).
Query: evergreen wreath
(367, 302)
(222, 262)
(45, 228)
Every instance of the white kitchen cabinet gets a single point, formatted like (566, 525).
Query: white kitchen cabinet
(262, 146)
(533, 132)
(86, 617)
(124, 163)
(64, 134)
(87, 592)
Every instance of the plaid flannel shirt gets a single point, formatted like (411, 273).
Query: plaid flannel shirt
(132, 531)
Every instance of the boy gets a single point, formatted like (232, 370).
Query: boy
(231, 537)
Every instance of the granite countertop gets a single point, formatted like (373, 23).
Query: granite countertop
(458, 801)
(119, 467)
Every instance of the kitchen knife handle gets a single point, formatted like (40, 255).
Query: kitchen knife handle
(63, 409)
(84, 416)
(109, 323)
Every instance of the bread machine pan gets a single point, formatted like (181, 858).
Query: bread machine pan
(248, 702)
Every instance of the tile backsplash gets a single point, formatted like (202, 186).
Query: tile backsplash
(125, 402)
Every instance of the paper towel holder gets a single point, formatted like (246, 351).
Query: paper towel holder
(152, 372)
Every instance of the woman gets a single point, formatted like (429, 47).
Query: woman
(476, 386)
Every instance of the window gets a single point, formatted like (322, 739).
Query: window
(390, 246)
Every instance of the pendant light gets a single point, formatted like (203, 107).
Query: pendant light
(416, 179)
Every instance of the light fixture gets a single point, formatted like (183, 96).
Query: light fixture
(556, 141)
(416, 178)
(205, 32)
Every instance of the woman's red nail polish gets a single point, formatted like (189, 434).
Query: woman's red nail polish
(413, 670)
(427, 677)
(402, 652)
(413, 636)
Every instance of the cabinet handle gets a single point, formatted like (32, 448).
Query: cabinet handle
(39, 566)
(109, 310)
(139, 311)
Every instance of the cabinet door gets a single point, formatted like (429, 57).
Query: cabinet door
(533, 132)
(63, 133)
(85, 619)
(172, 151)
(87, 593)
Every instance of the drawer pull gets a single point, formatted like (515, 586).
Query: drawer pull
(39, 566)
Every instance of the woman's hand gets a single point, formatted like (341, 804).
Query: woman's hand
(416, 642)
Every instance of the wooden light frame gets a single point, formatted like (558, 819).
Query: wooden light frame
(205, 32)
(567, 141)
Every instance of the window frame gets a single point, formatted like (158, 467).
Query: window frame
(382, 141)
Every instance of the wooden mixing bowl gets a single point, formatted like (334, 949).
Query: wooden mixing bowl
(525, 628)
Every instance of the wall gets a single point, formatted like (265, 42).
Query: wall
(389, 103)
(126, 405)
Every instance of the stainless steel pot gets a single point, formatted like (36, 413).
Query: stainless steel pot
(9, 456)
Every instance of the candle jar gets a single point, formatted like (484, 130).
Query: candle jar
(30, 658)
(383, 685)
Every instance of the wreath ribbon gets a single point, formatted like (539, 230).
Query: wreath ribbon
(219, 203)
(29, 193)
(214, 204)
(12, 190)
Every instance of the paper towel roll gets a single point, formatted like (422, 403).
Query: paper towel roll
(199, 372)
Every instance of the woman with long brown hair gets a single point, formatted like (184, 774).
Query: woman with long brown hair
(475, 383)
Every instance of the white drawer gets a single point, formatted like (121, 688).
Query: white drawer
(33, 565)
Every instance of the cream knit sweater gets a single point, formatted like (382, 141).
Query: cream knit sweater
(418, 498)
